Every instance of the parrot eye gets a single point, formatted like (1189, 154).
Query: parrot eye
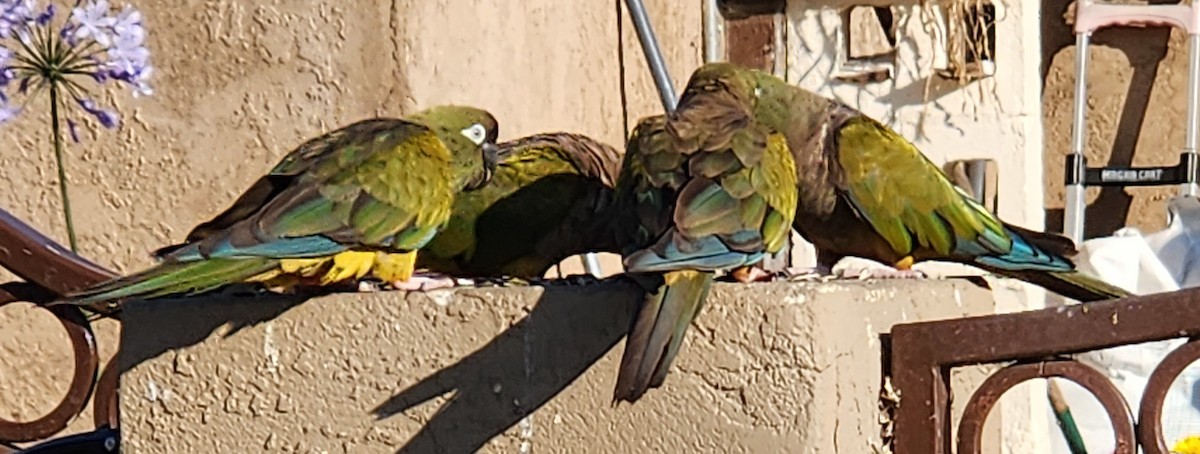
(476, 133)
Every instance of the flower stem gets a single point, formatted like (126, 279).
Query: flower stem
(62, 170)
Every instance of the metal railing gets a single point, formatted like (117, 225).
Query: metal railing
(923, 354)
(49, 270)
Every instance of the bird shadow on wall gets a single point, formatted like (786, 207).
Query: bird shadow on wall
(519, 371)
(178, 323)
(1145, 49)
(927, 93)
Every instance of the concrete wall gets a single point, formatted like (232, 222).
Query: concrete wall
(239, 84)
(766, 368)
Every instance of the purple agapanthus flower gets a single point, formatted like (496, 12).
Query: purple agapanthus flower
(92, 20)
(13, 15)
(95, 43)
(107, 117)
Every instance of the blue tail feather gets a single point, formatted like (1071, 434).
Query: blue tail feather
(710, 254)
(1024, 256)
(300, 247)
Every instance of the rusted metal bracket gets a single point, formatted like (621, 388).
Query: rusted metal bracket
(923, 354)
(49, 271)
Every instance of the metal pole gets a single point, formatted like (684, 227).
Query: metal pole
(712, 32)
(1073, 215)
(1193, 105)
(666, 92)
(658, 69)
(591, 264)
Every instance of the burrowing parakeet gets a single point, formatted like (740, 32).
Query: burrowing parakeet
(708, 188)
(865, 191)
(550, 198)
(361, 199)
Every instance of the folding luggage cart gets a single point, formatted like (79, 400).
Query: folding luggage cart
(1089, 17)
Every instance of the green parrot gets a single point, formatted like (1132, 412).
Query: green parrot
(550, 198)
(361, 199)
(865, 191)
(709, 188)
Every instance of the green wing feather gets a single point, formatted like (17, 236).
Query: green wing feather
(285, 173)
(913, 205)
(908, 200)
(377, 184)
(549, 198)
(696, 190)
(709, 189)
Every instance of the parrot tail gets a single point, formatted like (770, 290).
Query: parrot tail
(173, 278)
(1071, 284)
(1039, 258)
(658, 332)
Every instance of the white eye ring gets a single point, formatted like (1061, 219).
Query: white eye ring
(476, 133)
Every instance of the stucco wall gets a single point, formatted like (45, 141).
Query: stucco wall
(766, 368)
(239, 84)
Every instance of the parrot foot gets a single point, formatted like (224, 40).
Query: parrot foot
(756, 274)
(863, 274)
(425, 282)
(748, 274)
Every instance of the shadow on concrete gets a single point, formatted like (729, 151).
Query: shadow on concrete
(181, 322)
(1145, 49)
(920, 92)
(569, 329)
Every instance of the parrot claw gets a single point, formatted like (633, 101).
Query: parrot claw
(425, 283)
(755, 274)
(863, 274)
(368, 286)
(750, 274)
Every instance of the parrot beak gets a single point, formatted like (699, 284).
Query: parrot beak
(491, 155)
(491, 158)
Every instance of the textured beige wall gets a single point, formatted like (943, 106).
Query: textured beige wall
(236, 86)
(240, 83)
(765, 368)
(1137, 102)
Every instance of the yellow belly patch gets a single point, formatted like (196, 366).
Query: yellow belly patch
(389, 267)
(385, 266)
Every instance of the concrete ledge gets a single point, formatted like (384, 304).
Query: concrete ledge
(767, 368)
